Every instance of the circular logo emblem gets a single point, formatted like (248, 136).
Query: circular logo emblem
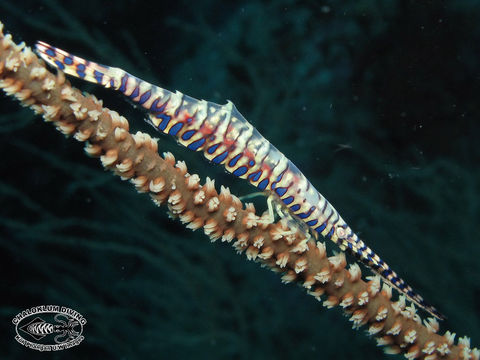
(49, 327)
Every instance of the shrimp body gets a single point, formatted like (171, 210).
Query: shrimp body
(225, 137)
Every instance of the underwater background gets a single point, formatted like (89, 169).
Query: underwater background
(376, 102)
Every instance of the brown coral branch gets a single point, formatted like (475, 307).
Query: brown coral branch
(281, 247)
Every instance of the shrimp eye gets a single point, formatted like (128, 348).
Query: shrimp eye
(341, 233)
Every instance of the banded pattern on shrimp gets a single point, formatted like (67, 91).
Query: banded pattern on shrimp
(226, 137)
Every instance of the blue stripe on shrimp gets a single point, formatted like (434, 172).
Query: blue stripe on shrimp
(255, 175)
(176, 128)
(50, 52)
(213, 148)
(295, 207)
(263, 184)
(81, 70)
(154, 107)
(219, 158)
(59, 64)
(68, 60)
(165, 120)
(98, 76)
(134, 93)
(288, 200)
(240, 171)
(188, 134)
(123, 85)
(234, 160)
(196, 144)
(145, 96)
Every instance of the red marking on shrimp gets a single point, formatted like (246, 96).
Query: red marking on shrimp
(266, 168)
(186, 117)
(228, 141)
(206, 129)
(249, 154)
